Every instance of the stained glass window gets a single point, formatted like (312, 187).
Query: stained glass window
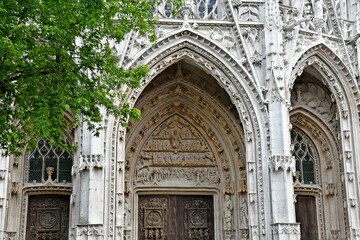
(45, 155)
(304, 156)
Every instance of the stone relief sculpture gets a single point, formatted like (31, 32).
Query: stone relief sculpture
(228, 211)
(243, 214)
(176, 151)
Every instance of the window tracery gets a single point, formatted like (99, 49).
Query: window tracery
(202, 9)
(304, 157)
(44, 156)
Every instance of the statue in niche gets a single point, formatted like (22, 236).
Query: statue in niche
(228, 208)
(127, 213)
(243, 213)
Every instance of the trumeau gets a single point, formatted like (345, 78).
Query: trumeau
(230, 83)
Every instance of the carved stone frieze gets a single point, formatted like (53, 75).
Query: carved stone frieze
(176, 151)
(91, 161)
(90, 230)
(286, 163)
(286, 229)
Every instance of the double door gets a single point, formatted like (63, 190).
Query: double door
(176, 217)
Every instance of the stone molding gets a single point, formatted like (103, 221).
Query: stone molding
(285, 229)
(90, 230)
(2, 174)
(91, 161)
(285, 163)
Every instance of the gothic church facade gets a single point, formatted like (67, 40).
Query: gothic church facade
(250, 129)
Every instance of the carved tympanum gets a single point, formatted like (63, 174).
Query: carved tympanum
(176, 150)
(314, 98)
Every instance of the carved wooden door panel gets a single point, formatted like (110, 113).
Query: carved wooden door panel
(48, 217)
(306, 215)
(172, 217)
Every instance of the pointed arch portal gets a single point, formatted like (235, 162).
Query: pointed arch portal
(186, 153)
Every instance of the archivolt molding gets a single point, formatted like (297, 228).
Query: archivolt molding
(249, 103)
(316, 56)
(345, 91)
(187, 34)
(314, 127)
(183, 39)
(299, 118)
(179, 87)
(216, 72)
(314, 98)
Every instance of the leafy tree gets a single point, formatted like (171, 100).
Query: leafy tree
(55, 58)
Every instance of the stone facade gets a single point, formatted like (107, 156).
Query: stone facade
(254, 103)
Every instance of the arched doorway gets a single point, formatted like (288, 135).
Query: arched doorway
(185, 175)
(316, 148)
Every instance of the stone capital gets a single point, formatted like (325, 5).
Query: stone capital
(286, 163)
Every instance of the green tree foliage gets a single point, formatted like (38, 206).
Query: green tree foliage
(55, 58)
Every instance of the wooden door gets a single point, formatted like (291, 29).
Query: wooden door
(306, 215)
(48, 218)
(173, 217)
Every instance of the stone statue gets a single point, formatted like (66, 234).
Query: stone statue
(228, 208)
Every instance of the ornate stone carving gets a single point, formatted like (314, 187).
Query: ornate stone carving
(283, 162)
(176, 151)
(188, 50)
(228, 213)
(242, 186)
(252, 197)
(352, 202)
(331, 189)
(248, 11)
(203, 9)
(10, 235)
(285, 229)
(2, 174)
(14, 188)
(335, 234)
(90, 230)
(91, 161)
(314, 98)
(224, 37)
(244, 221)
